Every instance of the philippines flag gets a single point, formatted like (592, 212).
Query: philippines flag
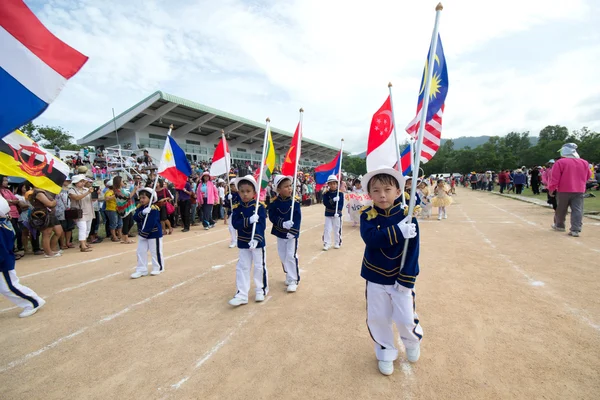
(221, 160)
(405, 160)
(34, 66)
(322, 172)
(432, 133)
(381, 147)
(174, 165)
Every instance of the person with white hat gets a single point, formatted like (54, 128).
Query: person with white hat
(251, 249)
(333, 200)
(80, 196)
(390, 291)
(10, 286)
(232, 200)
(147, 217)
(286, 227)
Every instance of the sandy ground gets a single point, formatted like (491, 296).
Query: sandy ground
(510, 310)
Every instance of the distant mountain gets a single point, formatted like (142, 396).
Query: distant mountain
(464, 141)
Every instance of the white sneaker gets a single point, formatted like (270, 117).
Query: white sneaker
(574, 233)
(326, 247)
(236, 301)
(136, 275)
(337, 246)
(232, 245)
(292, 287)
(445, 216)
(29, 311)
(439, 217)
(413, 354)
(53, 255)
(154, 273)
(386, 367)
(259, 297)
(288, 282)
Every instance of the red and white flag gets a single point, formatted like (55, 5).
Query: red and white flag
(381, 147)
(221, 161)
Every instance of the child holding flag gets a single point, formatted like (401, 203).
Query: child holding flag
(147, 217)
(233, 198)
(333, 201)
(286, 227)
(251, 249)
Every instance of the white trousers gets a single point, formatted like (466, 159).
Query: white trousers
(20, 295)
(155, 247)
(232, 231)
(387, 305)
(333, 224)
(287, 249)
(242, 272)
(84, 227)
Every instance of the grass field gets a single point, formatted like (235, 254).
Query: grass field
(590, 204)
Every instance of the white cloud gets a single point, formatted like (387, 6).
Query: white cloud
(268, 58)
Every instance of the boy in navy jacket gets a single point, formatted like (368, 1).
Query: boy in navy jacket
(10, 287)
(232, 199)
(251, 249)
(147, 217)
(390, 290)
(287, 229)
(333, 201)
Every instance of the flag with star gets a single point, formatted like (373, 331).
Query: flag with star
(432, 132)
(381, 147)
(174, 165)
(269, 161)
(290, 166)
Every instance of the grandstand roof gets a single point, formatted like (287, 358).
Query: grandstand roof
(162, 109)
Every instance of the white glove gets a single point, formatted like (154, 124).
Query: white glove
(252, 244)
(337, 215)
(4, 207)
(147, 210)
(408, 229)
(336, 198)
(399, 288)
(290, 236)
(288, 225)
(229, 197)
(253, 219)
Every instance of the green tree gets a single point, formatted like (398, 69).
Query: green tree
(50, 136)
(354, 165)
(553, 133)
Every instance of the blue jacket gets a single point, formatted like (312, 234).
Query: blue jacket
(240, 221)
(7, 244)
(330, 204)
(280, 211)
(235, 199)
(384, 246)
(520, 179)
(153, 228)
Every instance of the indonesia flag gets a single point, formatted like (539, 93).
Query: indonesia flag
(221, 161)
(174, 165)
(381, 147)
(34, 66)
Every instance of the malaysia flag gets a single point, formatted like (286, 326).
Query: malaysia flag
(34, 66)
(381, 146)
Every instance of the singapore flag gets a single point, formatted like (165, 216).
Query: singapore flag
(381, 150)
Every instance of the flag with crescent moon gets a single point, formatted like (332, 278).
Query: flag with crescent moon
(381, 147)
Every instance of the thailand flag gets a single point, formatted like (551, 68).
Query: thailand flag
(322, 172)
(405, 160)
(174, 165)
(221, 161)
(34, 66)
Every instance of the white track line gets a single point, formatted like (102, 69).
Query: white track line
(532, 281)
(63, 339)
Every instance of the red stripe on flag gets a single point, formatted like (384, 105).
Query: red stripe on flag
(18, 20)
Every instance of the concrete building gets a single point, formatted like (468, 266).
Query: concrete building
(197, 129)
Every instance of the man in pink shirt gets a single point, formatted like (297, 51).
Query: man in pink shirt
(569, 176)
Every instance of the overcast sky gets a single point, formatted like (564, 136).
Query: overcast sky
(512, 65)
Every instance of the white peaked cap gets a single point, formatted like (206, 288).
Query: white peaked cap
(279, 178)
(248, 178)
(384, 170)
(332, 178)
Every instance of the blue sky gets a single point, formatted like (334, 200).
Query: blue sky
(513, 65)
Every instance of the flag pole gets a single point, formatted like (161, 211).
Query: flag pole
(156, 179)
(262, 170)
(297, 165)
(227, 167)
(417, 163)
(339, 176)
(396, 139)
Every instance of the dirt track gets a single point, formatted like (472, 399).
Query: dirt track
(509, 308)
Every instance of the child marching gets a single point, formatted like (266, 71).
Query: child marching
(233, 198)
(286, 227)
(333, 201)
(251, 250)
(147, 217)
(441, 198)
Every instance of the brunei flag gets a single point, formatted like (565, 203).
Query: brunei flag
(22, 157)
(269, 161)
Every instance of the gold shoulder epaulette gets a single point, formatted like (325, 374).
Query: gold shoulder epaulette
(406, 196)
(370, 211)
(235, 205)
(298, 199)
(274, 198)
(155, 207)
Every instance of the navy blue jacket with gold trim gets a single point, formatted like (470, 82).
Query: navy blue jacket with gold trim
(280, 211)
(330, 204)
(240, 221)
(384, 246)
(7, 244)
(153, 228)
(235, 199)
